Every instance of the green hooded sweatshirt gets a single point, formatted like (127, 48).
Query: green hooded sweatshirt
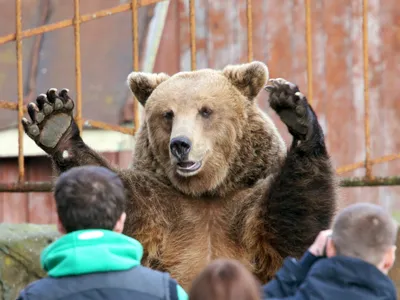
(78, 253)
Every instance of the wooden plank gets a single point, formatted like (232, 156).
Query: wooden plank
(124, 159)
(41, 205)
(112, 157)
(14, 204)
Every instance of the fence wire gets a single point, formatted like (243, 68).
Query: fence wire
(133, 6)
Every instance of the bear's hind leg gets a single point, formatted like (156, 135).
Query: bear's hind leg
(54, 130)
(302, 198)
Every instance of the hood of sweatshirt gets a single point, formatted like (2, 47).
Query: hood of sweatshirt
(91, 251)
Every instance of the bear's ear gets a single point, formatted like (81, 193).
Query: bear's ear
(143, 84)
(248, 78)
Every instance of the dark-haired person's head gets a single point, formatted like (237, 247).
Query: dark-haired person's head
(90, 197)
(225, 279)
(367, 232)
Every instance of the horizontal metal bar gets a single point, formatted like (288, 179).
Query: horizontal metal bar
(345, 182)
(25, 187)
(375, 181)
(83, 18)
(10, 105)
(375, 161)
(107, 126)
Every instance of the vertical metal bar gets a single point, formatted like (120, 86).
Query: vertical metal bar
(78, 75)
(368, 165)
(249, 31)
(192, 22)
(20, 92)
(135, 56)
(309, 52)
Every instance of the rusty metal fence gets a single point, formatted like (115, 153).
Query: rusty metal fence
(133, 6)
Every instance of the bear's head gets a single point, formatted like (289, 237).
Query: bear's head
(203, 129)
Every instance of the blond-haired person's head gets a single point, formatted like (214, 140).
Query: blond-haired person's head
(225, 279)
(365, 231)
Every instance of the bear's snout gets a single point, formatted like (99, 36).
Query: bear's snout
(180, 147)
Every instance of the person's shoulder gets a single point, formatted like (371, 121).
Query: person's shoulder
(339, 263)
(346, 268)
(38, 289)
(145, 274)
(151, 273)
(175, 290)
(323, 264)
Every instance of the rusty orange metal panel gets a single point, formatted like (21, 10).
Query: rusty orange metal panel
(224, 33)
(338, 89)
(384, 49)
(337, 97)
(183, 36)
(168, 55)
(278, 48)
(201, 34)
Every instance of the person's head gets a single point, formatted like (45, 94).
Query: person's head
(365, 231)
(225, 279)
(89, 197)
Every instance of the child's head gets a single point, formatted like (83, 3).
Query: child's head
(365, 231)
(90, 197)
(225, 279)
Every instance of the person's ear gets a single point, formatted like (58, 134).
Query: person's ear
(330, 248)
(119, 226)
(388, 259)
(60, 227)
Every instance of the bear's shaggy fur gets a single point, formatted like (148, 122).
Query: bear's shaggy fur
(211, 176)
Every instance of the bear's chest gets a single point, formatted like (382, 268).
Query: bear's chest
(202, 233)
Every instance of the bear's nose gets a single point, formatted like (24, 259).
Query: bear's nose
(180, 147)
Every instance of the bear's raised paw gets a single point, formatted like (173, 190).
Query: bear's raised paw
(51, 117)
(291, 106)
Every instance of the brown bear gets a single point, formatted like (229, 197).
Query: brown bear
(211, 175)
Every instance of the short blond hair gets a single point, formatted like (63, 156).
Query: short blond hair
(364, 231)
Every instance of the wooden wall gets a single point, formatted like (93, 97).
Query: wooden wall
(38, 208)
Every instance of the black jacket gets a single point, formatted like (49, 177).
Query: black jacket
(138, 283)
(339, 278)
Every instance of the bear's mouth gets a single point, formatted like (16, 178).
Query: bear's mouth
(187, 167)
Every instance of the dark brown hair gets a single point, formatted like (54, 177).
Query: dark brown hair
(225, 279)
(89, 197)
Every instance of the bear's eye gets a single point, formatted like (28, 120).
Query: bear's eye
(168, 115)
(205, 112)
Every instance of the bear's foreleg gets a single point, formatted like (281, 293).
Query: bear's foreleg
(54, 130)
(301, 199)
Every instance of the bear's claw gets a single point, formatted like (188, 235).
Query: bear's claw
(291, 106)
(50, 118)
